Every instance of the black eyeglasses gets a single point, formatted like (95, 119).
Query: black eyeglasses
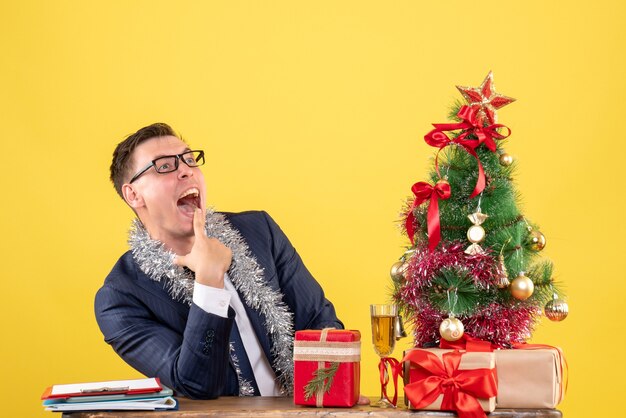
(169, 163)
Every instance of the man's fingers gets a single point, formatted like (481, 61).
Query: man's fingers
(198, 222)
(179, 260)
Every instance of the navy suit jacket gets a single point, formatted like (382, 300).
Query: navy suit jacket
(186, 347)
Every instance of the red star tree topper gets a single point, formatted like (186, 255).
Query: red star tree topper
(485, 99)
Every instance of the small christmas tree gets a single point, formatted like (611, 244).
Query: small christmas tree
(472, 265)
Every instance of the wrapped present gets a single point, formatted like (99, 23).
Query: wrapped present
(530, 376)
(327, 367)
(450, 380)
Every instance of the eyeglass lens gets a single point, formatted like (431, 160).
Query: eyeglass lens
(170, 163)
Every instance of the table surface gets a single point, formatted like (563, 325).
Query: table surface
(261, 407)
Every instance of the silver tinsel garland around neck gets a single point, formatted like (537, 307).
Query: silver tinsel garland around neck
(157, 262)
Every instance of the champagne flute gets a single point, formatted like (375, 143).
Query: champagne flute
(384, 339)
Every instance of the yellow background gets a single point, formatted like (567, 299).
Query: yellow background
(314, 111)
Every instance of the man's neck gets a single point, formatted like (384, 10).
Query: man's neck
(178, 245)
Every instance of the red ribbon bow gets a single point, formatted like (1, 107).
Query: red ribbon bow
(424, 191)
(471, 125)
(396, 370)
(460, 388)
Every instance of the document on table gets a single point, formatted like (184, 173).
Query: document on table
(132, 386)
(147, 404)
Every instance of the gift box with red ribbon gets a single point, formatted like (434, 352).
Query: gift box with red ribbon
(450, 380)
(327, 367)
(529, 375)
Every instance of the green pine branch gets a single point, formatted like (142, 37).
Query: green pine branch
(454, 291)
(322, 380)
(541, 275)
(454, 109)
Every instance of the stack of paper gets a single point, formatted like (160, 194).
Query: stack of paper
(114, 395)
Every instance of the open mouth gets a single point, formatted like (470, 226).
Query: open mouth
(189, 201)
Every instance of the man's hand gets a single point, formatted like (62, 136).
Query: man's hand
(209, 258)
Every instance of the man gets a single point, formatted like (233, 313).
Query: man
(206, 301)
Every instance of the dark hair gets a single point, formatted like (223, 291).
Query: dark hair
(122, 156)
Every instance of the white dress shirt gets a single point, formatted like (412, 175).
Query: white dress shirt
(216, 301)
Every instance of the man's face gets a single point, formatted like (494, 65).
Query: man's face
(165, 203)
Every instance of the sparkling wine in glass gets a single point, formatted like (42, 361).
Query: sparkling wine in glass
(383, 338)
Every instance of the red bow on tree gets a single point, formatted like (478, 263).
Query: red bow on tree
(460, 388)
(471, 125)
(424, 191)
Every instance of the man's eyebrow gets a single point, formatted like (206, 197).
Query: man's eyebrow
(187, 149)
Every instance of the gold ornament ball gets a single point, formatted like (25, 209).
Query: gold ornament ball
(522, 287)
(536, 240)
(506, 159)
(397, 271)
(451, 329)
(556, 310)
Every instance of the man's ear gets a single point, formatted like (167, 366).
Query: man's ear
(132, 197)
